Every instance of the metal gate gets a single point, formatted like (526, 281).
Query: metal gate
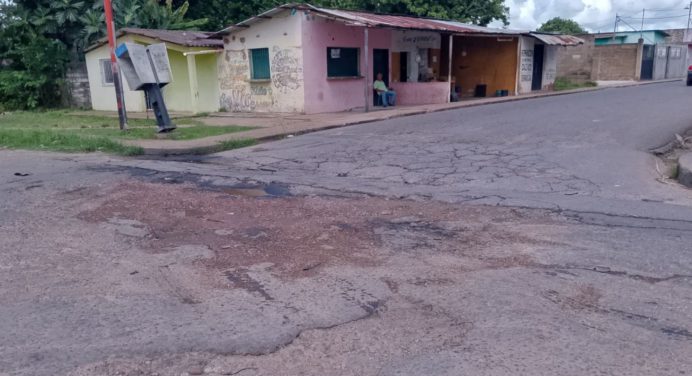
(670, 62)
(647, 72)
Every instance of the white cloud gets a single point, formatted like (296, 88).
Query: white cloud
(599, 15)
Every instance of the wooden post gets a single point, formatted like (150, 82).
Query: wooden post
(449, 68)
(517, 76)
(367, 72)
(194, 86)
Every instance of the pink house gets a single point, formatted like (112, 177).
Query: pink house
(305, 59)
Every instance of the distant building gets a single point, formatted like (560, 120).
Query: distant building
(194, 60)
(306, 59)
(631, 37)
(302, 58)
(647, 55)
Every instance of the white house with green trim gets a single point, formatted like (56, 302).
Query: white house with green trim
(194, 59)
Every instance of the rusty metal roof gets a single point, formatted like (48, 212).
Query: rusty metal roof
(185, 38)
(557, 39)
(365, 19)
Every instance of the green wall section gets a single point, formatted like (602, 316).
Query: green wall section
(177, 93)
(207, 80)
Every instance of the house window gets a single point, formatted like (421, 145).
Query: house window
(343, 62)
(106, 72)
(259, 64)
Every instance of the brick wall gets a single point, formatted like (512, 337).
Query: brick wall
(597, 63)
(575, 62)
(676, 35)
(614, 63)
(77, 87)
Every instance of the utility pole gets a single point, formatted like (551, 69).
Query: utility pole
(617, 19)
(687, 29)
(641, 31)
(110, 30)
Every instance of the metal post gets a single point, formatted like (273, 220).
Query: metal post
(687, 34)
(159, 105)
(367, 72)
(641, 31)
(110, 29)
(449, 68)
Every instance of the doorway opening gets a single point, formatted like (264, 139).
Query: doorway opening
(537, 80)
(380, 66)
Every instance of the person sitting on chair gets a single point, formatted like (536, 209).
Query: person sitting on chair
(387, 97)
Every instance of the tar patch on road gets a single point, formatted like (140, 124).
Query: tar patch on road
(301, 235)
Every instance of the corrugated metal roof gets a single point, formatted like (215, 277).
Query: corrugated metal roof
(366, 19)
(558, 39)
(185, 38)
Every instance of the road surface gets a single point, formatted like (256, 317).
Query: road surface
(526, 238)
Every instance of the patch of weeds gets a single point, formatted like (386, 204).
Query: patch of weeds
(562, 83)
(236, 144)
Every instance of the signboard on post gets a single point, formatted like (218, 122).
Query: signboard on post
(137, 67)
(147, 68)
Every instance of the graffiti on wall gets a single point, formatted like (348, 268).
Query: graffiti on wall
(261, 90)
(286, 70)
(550, 74)
(238, 99)
(240, 94)
(235, 68)
(526, 67)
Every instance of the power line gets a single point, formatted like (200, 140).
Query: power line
(655, 18)
(635, 29)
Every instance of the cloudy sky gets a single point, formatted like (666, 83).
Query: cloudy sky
(597, 15)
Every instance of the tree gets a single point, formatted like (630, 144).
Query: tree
(164, 16)
(562, 26)
(479, 12)
(31, 64)
(39, 37)
(222, 13)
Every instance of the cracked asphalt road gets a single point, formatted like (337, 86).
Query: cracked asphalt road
(527, 238)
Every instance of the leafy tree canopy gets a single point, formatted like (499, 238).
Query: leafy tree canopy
(39, 37)
(222, 13)
(562, 26)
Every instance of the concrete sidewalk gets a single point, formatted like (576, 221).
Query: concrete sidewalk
(275, 126)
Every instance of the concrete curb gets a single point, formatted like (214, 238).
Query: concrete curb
(214, 145)
(685, 170)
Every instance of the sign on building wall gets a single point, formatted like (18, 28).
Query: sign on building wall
(526, 67)
(409, 40)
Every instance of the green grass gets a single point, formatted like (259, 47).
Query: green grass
(48, 139)
(562, 83)
(67, 131)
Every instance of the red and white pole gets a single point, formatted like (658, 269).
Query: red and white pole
(110, 29)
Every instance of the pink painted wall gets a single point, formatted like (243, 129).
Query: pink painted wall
(321, 94)
(411, 93)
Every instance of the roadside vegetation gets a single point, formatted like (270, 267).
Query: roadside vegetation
(75, 132)
(562, 83)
